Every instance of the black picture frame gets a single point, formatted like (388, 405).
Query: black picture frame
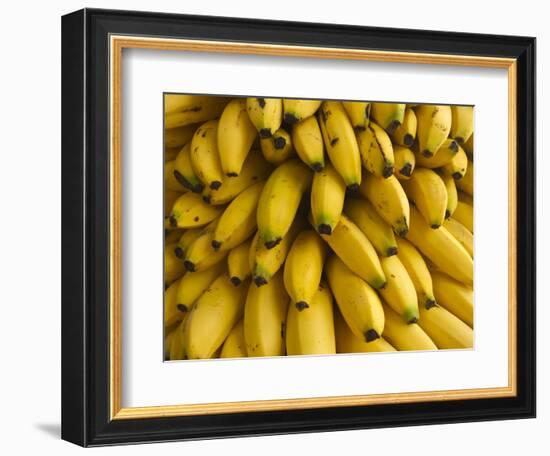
(85, 227)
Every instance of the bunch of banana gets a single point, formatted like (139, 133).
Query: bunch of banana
(274, 248)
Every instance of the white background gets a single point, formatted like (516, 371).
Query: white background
(30, 236)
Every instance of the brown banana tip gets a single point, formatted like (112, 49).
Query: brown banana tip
(359, 128)
(412, 320)
(260, 281)
(459, 140)
(232, 175)
(403, 232)
(317, 167)
(197, 188)
(215, 185)
(173, 221)
(371, 335)
(427, 153)
(290, 118)
(324, 228)
(447, 214)
(235, 281)
(434, 226)
(279, 142)
(206, 199)
(178, 251)
(182, 308)
(189, 266)
(216, 245)
(352, 189)
(457, 176)
(430, 303)
(270, 244)
(408, 140)
(261, 102)
(394, 125)
(301, 305)
(391, 251)
(265, 133)
(387, 171)
(454, 146)
(406, 170)
(381, 287)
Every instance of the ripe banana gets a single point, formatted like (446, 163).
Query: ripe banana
(280, 199)
(303, 268)
(358, 302)
(297, 110)
(169, 336)
(378, 232)
(405, 336)
(235, 346)
(266, 114)
(212, 318)
(442, 157)
(328, 191)
(458, 165)
(264, 318)
(277, 148)
(172, 315)
(200, 255)
(235, 137)
(238, 221)
(178, 102)
(178, 137)
(264, 262)
(452, 194)
(464, 214)
(462, 125)
(468, 147)
(190, 211)
(173, 267)
(405, 134)
(417, 270)
(461, 234)
(192, 286)
(358, 113)
(356, 251)
(456, 297)
(441, 248)
(185, 240)
(340, 141)
(183, 170)
(466, 184)
(170, 181)
(176, 344)
(399, 291)
(376, 150)
(347, 342)
(389, 199)
(434, 125)
(405, 162)
(389, 116)
(205, 158)
(198, 110)
(446, 330)
(170, 198)
(427, 191)
(238, 263)
(308, 142)
(311, 331)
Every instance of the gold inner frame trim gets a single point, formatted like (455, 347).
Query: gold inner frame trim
(117, 44)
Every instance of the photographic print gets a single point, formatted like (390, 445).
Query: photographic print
(316, 227)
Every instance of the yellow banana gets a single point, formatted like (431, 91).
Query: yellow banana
(418, 271)
(446, 330)
(456, 297)
(172, 315)
(200, 255)
(178, 137)
(464, 214)
(175, 102)
(235, 346)
(205, 158)
(426, 189)
(347, 342)
(192, 286)
(173, 267)
(389, 199)
(466, 184)
(458, 165)
(303, 268)
(468, 147)
(238, 221)
(376, 150)
(452, 196)
(297, 110)
(170, 198)
(340, 142)
(461, 234)
(434, 125)
(280, 199)
(442, 157)
(462, 125)
(185, 240)
(238, 263)
(266, 114)
(328, 192)
(255, 168)
(358, 302)
(358, 113)
(176, 344)
(190, 211)
(399, 291)
(441, 248)
(236, 135)
(356, 251)
(264, 318)
(264, 262)
(378, 232)
(389, 116)
(200, 109)
(170, 181)
(308, 142)
(277, 148)
(212, 318)
(169, 336)
(183, 170)
(311, 331)
(405, 134)
(405, 336)
(405, 162)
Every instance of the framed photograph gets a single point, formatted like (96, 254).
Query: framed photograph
(268, 227)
